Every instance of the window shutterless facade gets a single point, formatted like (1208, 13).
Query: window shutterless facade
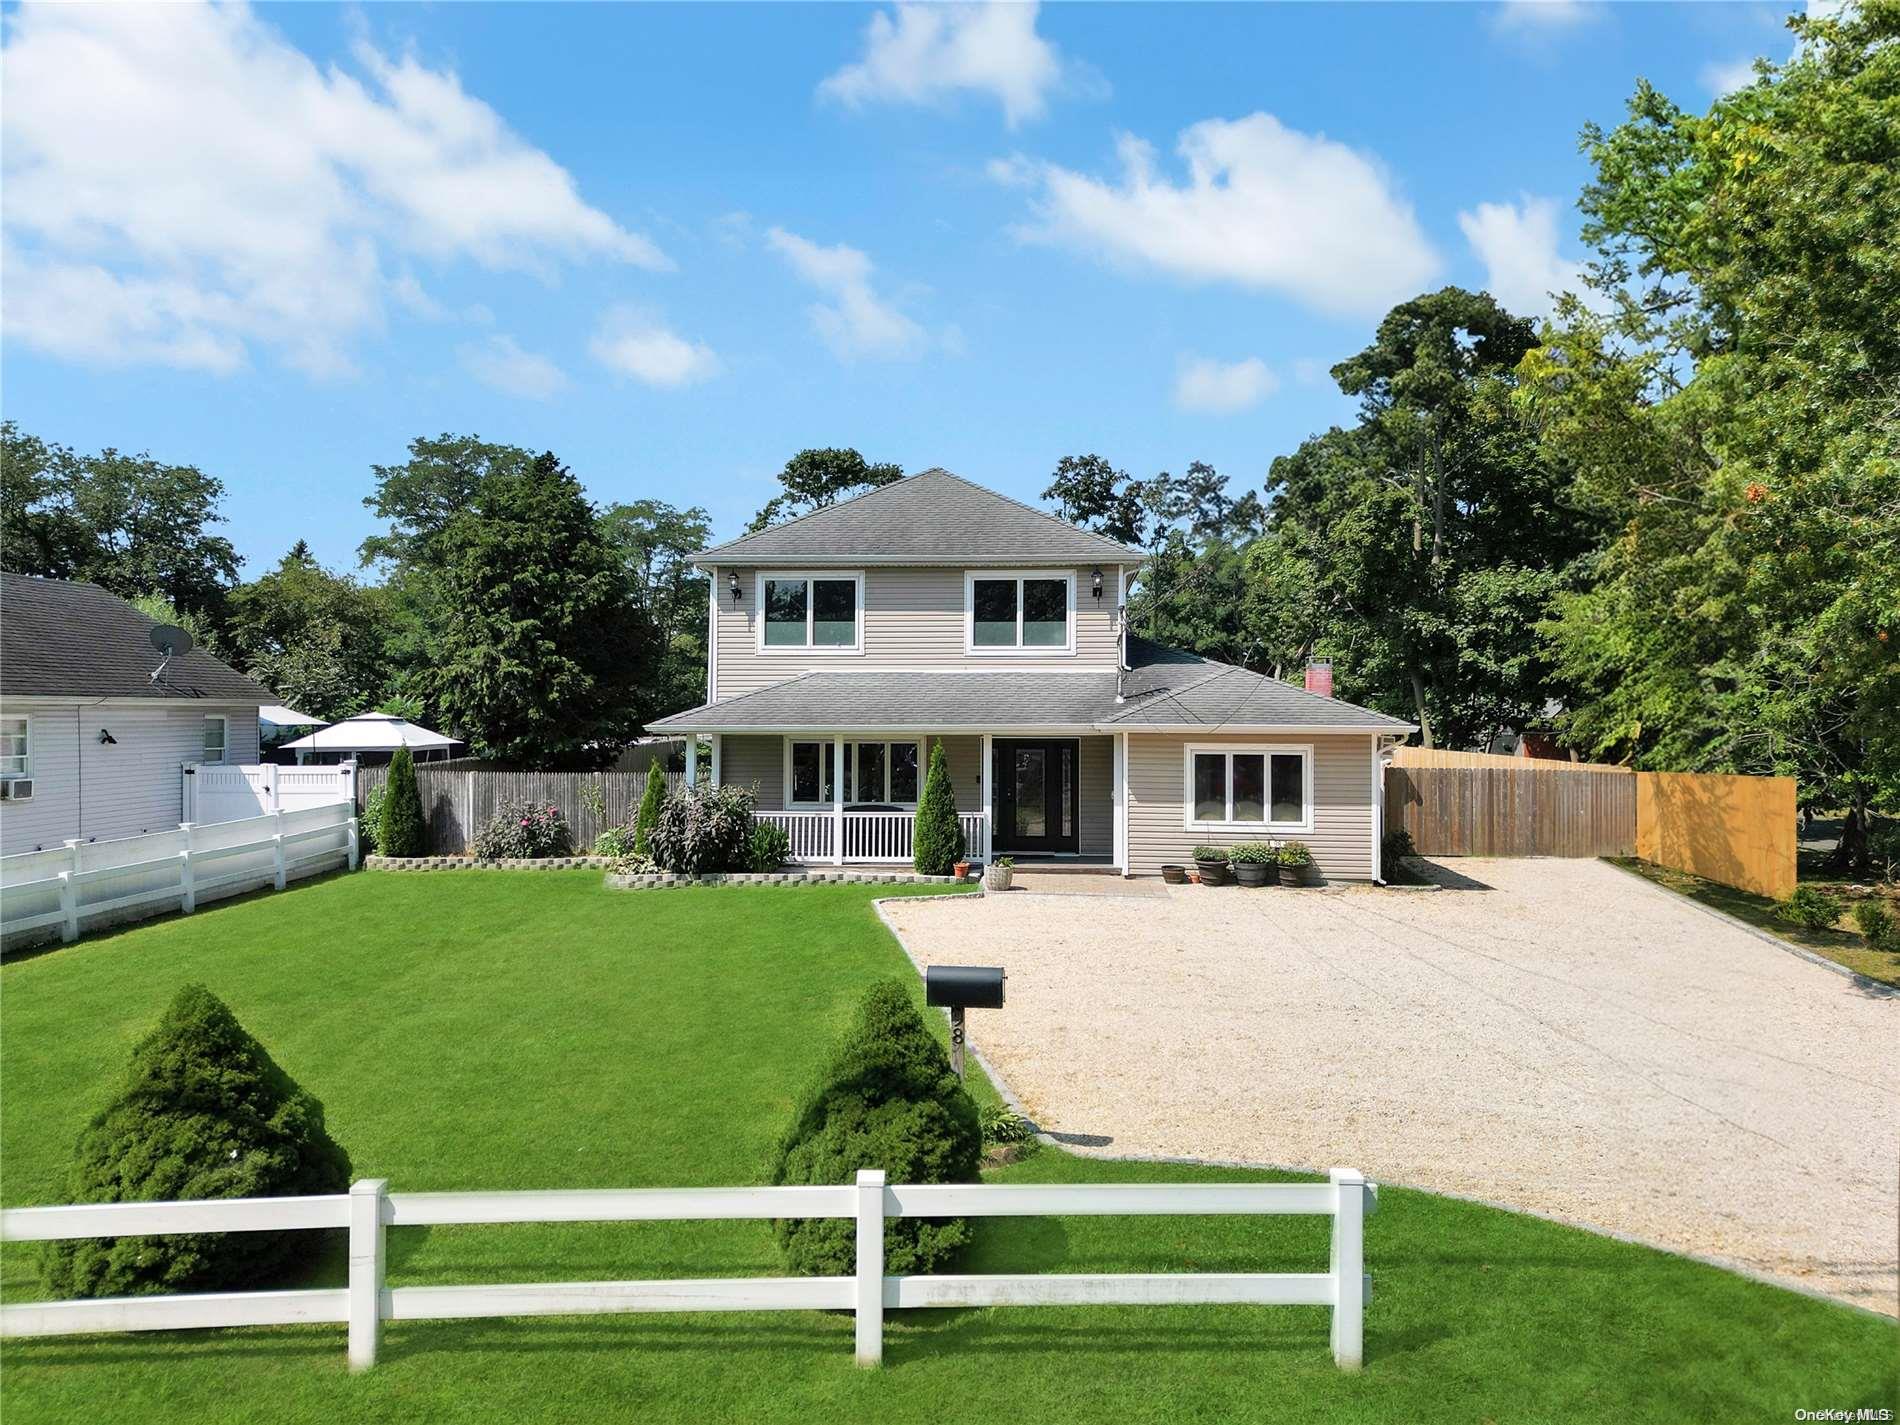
(16, 748)
(876, 772)
(1028, 611)
(811, 612)
(1264, 788)
(217, 738)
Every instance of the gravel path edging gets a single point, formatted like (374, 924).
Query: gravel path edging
(1861, 982)
(1067, 1143)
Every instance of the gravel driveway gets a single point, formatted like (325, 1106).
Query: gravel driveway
(1561, 1038)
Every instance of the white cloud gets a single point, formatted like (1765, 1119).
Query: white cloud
(1263, 206)
(640, 346)
(927, 53)
(856, 321)
(1222, 387)
(500, 363)
(198, 187)
(1541, 16)
(1726, 76)
(1517, 242)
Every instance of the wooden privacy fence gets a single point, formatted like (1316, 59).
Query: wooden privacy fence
(1552, 809)
(369, 1209)
(1736, 830)
(458, 803)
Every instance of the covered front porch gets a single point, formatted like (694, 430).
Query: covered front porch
(1035, 797)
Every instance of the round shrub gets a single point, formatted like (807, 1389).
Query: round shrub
(771, 846)
(1876, 925)
(937, 835)
(403, 832)
(703, 831)
(1810, 908)
(889, 1100)
(204, 1113)
(525, 830)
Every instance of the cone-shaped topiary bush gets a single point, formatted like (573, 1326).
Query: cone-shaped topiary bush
(403, 832)
(652, 798)
(938, 835)
(204, 1113)
(889, 1100)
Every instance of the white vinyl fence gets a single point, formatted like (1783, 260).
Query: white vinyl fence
(220, 792)
(369, 1209)
(138, 876)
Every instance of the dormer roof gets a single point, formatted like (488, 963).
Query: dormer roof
(933, 518)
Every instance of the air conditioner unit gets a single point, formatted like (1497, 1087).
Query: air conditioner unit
(18, 789)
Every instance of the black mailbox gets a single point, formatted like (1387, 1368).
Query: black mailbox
(964, 986)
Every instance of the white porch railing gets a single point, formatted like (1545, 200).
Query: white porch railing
(874, 837)
(369, 1209)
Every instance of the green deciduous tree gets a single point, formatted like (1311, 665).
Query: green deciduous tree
(654, 541)
(815, 479)
(321, 641)
(204, 1113)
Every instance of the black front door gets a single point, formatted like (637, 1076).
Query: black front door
(1035, 783)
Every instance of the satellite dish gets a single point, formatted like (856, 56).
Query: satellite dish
(171, 640)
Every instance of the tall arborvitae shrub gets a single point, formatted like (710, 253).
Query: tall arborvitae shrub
(651, 800)
(403, 832)
(889, 1100)
(938, 838)
(204, 1112)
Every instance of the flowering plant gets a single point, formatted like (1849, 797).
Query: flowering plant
(527, 830)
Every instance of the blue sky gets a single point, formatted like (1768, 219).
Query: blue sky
(676, 244)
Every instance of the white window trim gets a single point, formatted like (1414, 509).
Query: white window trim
(791, 804)
(224, 740)
(808, 648)
(1051, 650)
(1304, 750)
(27, 775)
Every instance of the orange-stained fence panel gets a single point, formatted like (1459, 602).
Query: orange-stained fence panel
(1736, 830)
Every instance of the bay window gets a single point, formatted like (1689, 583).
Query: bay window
(1019, 612)
(1262, 787)
(810, 613)
(876, 772)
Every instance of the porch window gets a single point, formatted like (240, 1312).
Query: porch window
(1269, 788)
(1020, 612)
(217, 739)
(15, 752)
(810, 784)
(809, 612)
(873, 772)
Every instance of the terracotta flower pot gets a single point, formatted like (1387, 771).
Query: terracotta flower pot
(962, 868)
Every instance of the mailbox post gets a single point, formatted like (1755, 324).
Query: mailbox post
(960, 987)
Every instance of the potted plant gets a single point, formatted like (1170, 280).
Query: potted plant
(1002, 870)
(1174, 875)
(962, 870)
(1211, 862)
(1252, 862)
(1296, 865)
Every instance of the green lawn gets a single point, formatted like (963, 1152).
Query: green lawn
(497, 1030)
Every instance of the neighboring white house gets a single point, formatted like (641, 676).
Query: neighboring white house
(93, 736)
(371, 738)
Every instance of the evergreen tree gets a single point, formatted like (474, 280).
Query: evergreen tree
(888, 1099)
(204, 1113)
(652, 798)
(937, 840)
(403, 831)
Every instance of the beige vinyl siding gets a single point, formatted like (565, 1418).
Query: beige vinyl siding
(86, 789)
(913, 617)
(755, 761)
(1341, 838)
(1095, 797)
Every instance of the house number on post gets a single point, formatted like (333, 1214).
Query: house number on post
(960, 987)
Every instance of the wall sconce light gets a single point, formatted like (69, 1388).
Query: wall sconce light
(1095, 583)
(106, 739)
(734, 586)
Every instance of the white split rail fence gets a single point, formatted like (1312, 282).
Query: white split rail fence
(369, 1209)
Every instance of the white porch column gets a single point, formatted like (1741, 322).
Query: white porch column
(1121, 802)
(837, 802)
(716, 737)
(989, 806)
(692, 760)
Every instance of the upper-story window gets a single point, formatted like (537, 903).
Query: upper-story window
(16, 748)
(217, 738)
(811, 613)
(1026, 611)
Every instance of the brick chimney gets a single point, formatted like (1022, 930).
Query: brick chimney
(1319, 676)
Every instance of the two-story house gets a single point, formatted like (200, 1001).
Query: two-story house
(843, 645)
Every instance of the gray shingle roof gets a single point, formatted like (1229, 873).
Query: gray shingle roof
(932, 517)
(1165, 689)
(61, 639)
